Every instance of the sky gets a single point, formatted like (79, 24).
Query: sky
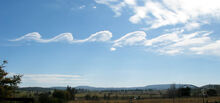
(111, 43)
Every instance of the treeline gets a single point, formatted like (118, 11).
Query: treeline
(172, 92)
(186, 91)
(57, 96)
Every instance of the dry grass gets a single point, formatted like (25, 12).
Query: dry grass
(177, 100)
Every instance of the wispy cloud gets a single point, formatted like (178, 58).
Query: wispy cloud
(184, 18)
(82, 7)
(112, 49)
(101, 36)
(158, 13)
(212, 48)
(50, 80)
(94, 7)
(192, 25)
(112, 4)
(173, 43)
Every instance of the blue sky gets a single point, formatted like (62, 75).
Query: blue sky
(111, 43)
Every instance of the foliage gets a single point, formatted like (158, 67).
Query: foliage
(211, 92)
(184, 92)
(7, 84)
(71, 92)
(87, 97)
(46, 98)
(58, 96)
(172, 91)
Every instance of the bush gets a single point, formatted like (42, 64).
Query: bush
(44, 98)
(87, 97)
(60, 94)
(184, 92)
(211, 92)
(55, 98)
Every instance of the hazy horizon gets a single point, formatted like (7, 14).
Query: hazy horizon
(115, 86)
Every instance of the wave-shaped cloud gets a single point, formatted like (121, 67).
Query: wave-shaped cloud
(175, 42)
(101, 36)
(172, 43)
(131, 39)
(182, 20)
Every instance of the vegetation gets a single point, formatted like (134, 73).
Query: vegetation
(7, 84)
(184, 94)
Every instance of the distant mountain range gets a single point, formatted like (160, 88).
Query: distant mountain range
(153, 87)
(211, 86)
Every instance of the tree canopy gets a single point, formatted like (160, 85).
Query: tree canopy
(7, 83)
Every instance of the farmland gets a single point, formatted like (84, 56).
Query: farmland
(155, 100)
(204, 94)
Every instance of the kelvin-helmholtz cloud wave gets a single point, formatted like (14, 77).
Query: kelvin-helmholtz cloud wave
(180, 23)
(170, 43)
(101, 36)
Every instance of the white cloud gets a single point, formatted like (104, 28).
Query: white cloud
(82, 7)
(30, 36)
(186, 42)
(112, 49)
(192, 25)
(62, 37)
(180, 43)
(170, 51)
(101, 36)
(115, 5)
(35, 36)
(157, 13)
(211, 48)
(133, 38)
(130, 2)
(175, 42)
(164, 39)
(49, 80)
(182, 21)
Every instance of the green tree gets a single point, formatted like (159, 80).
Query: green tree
(60, 94)
(172, 92)
(184, 92)
(7, 83)
(72, 92)
(87, 97)
(211, 92)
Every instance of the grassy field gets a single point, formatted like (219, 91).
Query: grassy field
(176, 100)
(120, 96)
